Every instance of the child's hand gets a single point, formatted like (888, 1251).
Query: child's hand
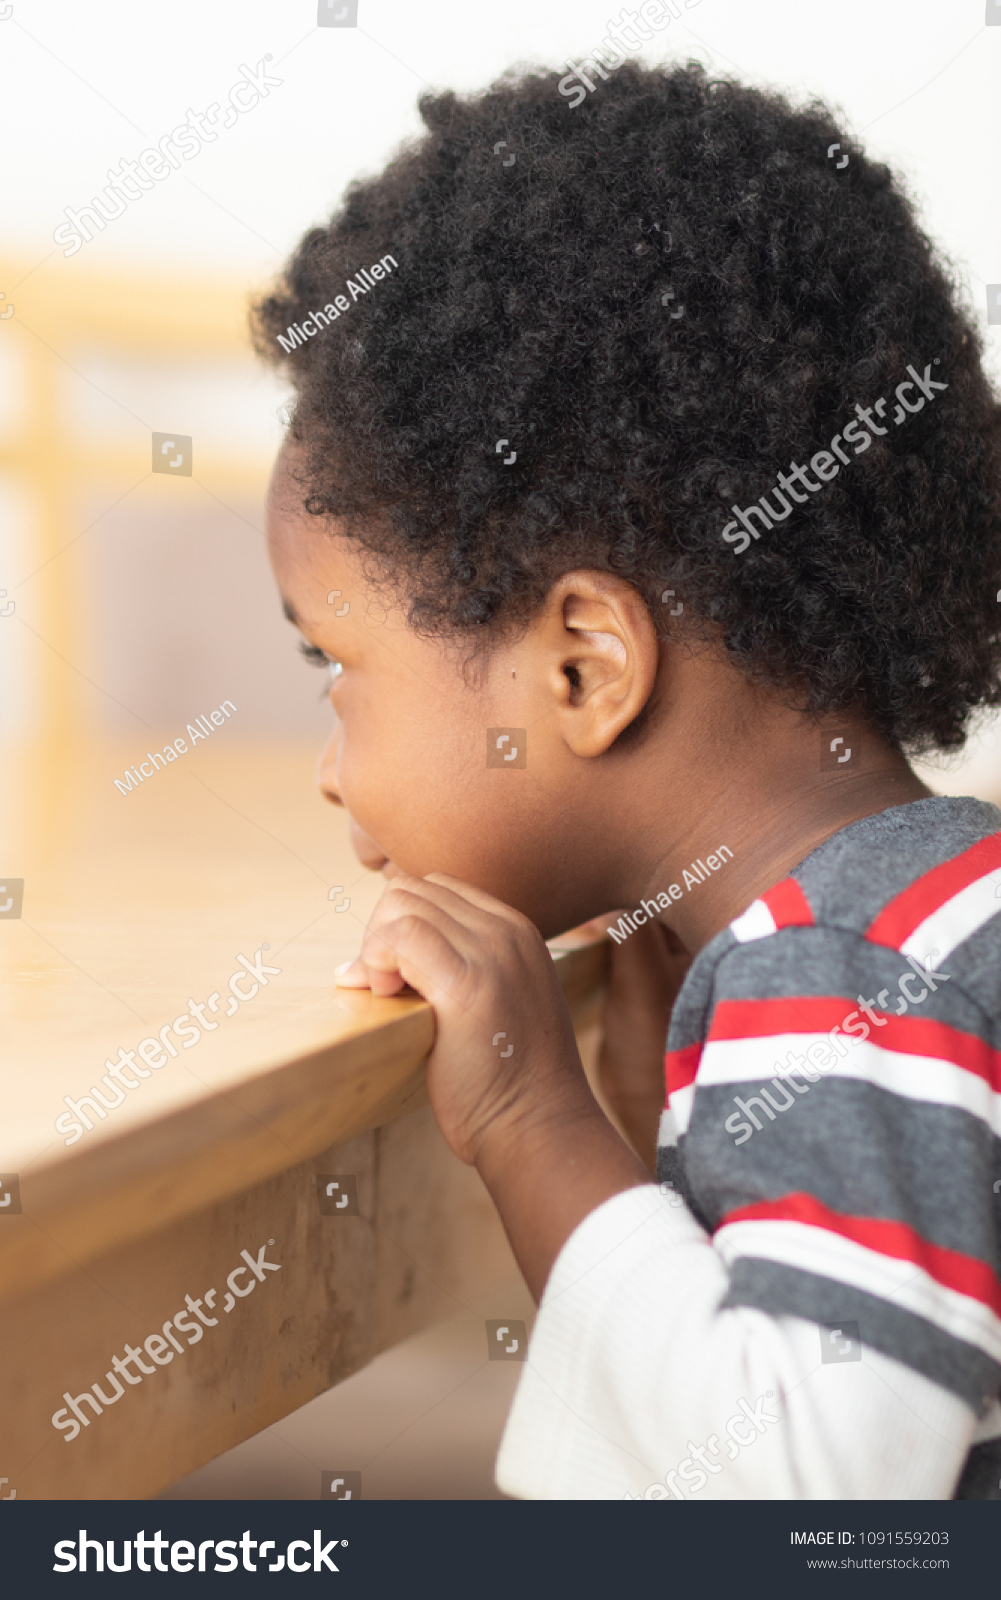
(505, 1056)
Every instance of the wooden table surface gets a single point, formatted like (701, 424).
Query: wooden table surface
(134, 907)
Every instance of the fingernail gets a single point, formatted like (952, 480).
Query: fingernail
(345, 966)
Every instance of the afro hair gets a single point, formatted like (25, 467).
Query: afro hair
(668, 295)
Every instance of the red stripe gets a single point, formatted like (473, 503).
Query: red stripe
(960, 1273)
(788, 905)
(756, 1019)
(818, 1014)
(926, 894)
(681, 1066)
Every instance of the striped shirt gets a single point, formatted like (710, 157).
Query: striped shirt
(833, 1126)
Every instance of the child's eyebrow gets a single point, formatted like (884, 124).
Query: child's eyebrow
(289, 613)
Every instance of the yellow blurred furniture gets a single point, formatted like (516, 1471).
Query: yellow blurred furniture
(64, 312)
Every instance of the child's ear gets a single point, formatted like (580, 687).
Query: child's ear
(605, 656)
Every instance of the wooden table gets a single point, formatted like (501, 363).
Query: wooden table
(135, 907)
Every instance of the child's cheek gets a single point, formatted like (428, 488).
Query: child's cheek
(375, 792)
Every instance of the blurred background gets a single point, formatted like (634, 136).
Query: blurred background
(134, 600)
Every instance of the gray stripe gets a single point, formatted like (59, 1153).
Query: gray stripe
(981, 1478)
(780, 1290)
(852, 876)
(820, 962)
(671, 1170)
(858, 1149)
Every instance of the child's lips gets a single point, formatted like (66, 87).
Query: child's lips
(367, 850)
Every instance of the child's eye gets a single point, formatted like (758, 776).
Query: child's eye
(318, 658)
(313, 654)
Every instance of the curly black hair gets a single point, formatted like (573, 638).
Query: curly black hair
(669, 294)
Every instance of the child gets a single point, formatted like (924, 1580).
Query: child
(643, 495)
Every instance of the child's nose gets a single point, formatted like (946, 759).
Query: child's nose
(326, 767)
(328, 791)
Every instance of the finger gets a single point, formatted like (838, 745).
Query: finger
(383, 981)
(465, 926)
(473, 896)
(352, 975)
(377, 965)
(414, 951)
(380, 974)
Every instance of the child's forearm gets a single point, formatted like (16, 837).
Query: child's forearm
(549, 1169)
(645, 977)
(636, 1108)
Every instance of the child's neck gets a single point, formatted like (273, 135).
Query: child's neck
(771, 836)
(766, 786)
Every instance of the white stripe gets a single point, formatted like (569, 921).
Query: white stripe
(956, 920)
(756, 922)
(681, 1107)
(904, 1284)
(668, 1132)
(933, 1080)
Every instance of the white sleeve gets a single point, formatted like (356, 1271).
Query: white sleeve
(634, 1379)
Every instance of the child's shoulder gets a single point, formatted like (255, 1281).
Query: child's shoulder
(917, 885)
(877, 875)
